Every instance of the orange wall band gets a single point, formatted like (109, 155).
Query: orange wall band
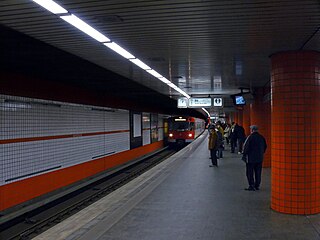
(24, 190)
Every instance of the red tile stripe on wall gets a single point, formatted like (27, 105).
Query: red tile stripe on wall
(33, 139)
(295, 113)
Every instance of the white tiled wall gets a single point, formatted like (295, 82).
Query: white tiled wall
(30, 118)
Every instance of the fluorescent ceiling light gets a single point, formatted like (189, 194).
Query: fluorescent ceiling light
(159, 76)
(140, 64)
(183, 93)
(178, 89)
(171, 85)
(115, 47)
(51, 6)
(163, 79)
(154, 73)
(84, 27)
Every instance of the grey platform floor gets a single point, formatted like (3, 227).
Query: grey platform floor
(183, 198)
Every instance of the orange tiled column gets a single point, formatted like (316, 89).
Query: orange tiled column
(261, 116)
(240, 114)
(235, 114)
(246, 119)
(295, 132)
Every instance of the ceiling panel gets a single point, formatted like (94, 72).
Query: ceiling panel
(204, 47)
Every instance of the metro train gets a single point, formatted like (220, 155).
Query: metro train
(184, 129)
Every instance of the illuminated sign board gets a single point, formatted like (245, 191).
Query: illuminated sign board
(182, 102)
(199, 102)
(217, 102)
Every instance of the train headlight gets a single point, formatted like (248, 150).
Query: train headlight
(170, 135)
(190, 135)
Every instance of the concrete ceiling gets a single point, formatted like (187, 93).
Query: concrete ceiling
(204, 47)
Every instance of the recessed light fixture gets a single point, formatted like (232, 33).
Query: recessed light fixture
(154, 73)
(51, 6)
(115, 47)
(86, 28)
(163, 79)
(140, 64)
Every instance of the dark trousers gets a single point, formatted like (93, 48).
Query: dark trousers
(213, 155)
(220, 152)
(254, 174)
(233, 144)
(240, 143)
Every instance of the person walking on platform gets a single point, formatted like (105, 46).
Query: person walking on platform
(226, 132)
(220, 144)
(253, 151)
(241, 137)
(213, 137)
(233, 136)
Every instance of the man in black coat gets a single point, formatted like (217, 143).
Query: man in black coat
(241, 138)
(233, 136)
(253, 151)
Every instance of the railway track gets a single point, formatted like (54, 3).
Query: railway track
(33, 223)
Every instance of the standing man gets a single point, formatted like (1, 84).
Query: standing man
(241, 138)
(233, 136)
(254, 148)
(220, 145)
(213, 138)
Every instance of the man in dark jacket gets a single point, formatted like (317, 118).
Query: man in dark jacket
(233, 136)
(213, 146)
(254, 148)
(241, 137)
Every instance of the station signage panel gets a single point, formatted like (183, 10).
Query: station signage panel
(199, 102)
(217, 102)
(182, 102)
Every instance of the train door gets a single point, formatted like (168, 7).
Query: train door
(135, 129)
(154, 128)
(165, 131)
(146, 129)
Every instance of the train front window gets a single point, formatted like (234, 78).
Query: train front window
(179, 126)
